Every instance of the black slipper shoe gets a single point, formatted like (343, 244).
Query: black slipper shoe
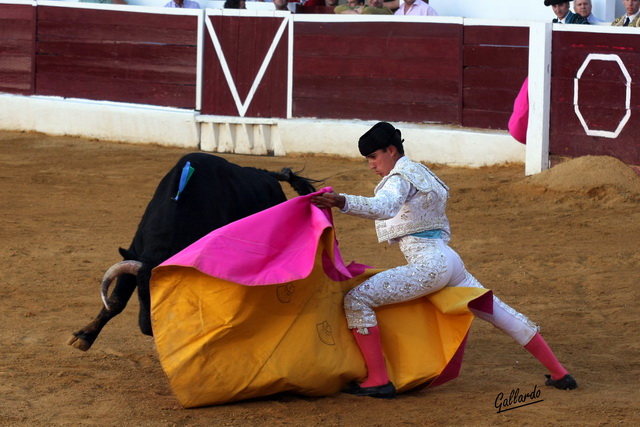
(565, 383)
(385, 391)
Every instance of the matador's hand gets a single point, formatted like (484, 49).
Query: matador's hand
(328, 200)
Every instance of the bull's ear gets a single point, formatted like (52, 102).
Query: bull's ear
(125, 254)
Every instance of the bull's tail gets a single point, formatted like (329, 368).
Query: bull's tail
(300, 184)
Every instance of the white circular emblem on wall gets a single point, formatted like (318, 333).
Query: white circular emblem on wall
(576, 104)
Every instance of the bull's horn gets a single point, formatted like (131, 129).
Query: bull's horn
(123, 267)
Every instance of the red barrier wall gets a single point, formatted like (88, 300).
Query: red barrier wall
(496, 61)
(429, 72)
(408, 72)
(17, 39)
(602, 94)
(411, 72)
(245, 42)
(117, 56)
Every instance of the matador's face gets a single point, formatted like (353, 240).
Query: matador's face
(383, 160)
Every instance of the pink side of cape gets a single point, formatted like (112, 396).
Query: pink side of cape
(277, 245)
(519, 121)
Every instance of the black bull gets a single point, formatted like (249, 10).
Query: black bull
(217, 193)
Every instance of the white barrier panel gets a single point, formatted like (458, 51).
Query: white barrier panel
(101, 120)
(185, 128)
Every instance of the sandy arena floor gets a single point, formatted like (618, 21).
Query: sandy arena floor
(561, 247)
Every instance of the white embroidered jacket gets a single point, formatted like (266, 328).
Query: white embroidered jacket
(410, 199)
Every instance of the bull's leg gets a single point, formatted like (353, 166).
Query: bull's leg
(85, 337)
(144, 316)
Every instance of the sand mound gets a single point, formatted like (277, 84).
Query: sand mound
(587, 173)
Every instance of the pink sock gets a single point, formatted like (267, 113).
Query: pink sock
(539, 348)
(371, 348)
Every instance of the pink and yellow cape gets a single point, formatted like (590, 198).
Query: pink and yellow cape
(255, 308)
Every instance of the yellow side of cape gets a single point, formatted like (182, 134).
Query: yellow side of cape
(219, 341)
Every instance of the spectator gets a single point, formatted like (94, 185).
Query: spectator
(630, 19)
(183, 4)
(321, 3)
(392, 5)
(416, 8)
(281, 5)
(373, 7)
(583, 8)
(352, 7)
(310, 3)
(376, 7)
(103, 1)
(235, 4)
(563, 14)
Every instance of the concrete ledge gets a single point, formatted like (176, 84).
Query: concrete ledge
(186, 128)
(101, 120)
(423, 142)
(241, 138)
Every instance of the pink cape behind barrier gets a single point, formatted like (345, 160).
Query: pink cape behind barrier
(519, 120)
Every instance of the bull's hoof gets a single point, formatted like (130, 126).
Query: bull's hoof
(76, 341)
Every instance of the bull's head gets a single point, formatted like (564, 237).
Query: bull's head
(123, 267)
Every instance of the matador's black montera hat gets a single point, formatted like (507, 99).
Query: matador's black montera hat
(381, 135)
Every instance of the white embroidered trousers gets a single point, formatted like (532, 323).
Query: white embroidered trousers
(431, 265)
